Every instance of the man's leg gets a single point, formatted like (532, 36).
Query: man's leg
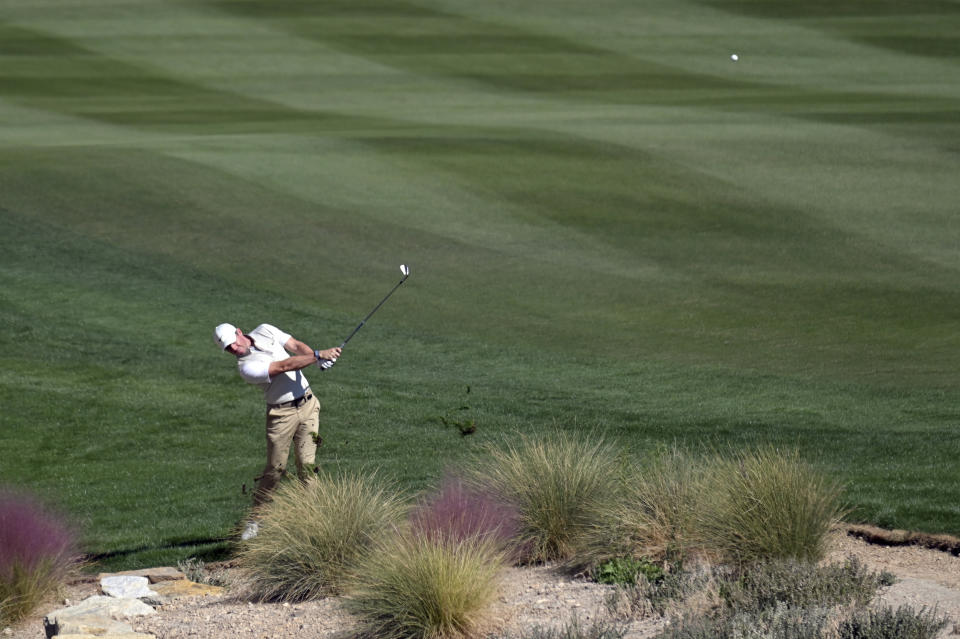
(307, 438)
(281, 427)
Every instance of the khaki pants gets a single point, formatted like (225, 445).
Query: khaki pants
(299, 425)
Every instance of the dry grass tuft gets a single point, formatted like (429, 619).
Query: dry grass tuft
(415, 586)
(559, 484)
(311, 536)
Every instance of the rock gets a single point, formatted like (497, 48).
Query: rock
(153, 575)
(58, 625)
(184, 588)
(154, 601)
(109, 607)
(126, 587)
(125, 635)
(98, 615)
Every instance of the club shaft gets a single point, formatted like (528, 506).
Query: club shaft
(370, 314)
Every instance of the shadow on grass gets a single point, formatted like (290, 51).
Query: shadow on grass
(212, 549)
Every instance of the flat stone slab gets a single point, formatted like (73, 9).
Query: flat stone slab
(126, 587)
(83, 624)
(109, 607)
(125, 635)
(170, 590)
(153, 575)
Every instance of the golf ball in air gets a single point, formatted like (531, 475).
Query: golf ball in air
(734, 57)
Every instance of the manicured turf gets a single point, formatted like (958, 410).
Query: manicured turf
(611, 226)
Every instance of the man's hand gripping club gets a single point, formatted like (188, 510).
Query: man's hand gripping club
(327, 358)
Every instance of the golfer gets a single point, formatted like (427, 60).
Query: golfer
(273, 360)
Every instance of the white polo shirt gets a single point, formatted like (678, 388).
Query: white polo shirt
(268, 347)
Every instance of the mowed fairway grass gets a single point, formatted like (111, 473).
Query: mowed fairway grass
(612, 227)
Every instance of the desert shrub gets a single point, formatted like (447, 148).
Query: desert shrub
(312, 535)
(781, 600)
(457, 511)
(577, 629)
(780, 622)
(425, 587)
(766, 585)
(559, 485)
(887, 623)
(196, 570)
(624, 571)
(767, 505)
(752, 591)
(37, 552)
(657, 592)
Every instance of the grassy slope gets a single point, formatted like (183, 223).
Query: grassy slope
(610, 223)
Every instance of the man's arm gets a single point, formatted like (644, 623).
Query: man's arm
(297, 347)
(304, 357)
(294, 363)
(294, 345)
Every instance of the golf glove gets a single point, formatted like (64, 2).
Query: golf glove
(323, 362)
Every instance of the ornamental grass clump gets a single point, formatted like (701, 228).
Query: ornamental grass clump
(416, 586)
(654, 518)
(37, 553)
(457, 512)
(559, 484)
(311, 536)
(767, 505)
(660, 507)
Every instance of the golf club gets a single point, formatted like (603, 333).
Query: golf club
(327, 363)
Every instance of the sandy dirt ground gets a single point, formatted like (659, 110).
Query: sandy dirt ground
(529, 598)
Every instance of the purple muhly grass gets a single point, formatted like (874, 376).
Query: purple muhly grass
(457, 512)
(32, 538)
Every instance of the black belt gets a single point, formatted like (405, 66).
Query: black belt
(306, 397)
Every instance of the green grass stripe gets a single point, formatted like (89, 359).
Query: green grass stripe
(610, 224)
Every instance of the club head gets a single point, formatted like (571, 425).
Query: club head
(405, 270)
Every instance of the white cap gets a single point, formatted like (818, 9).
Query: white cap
(225, 335)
